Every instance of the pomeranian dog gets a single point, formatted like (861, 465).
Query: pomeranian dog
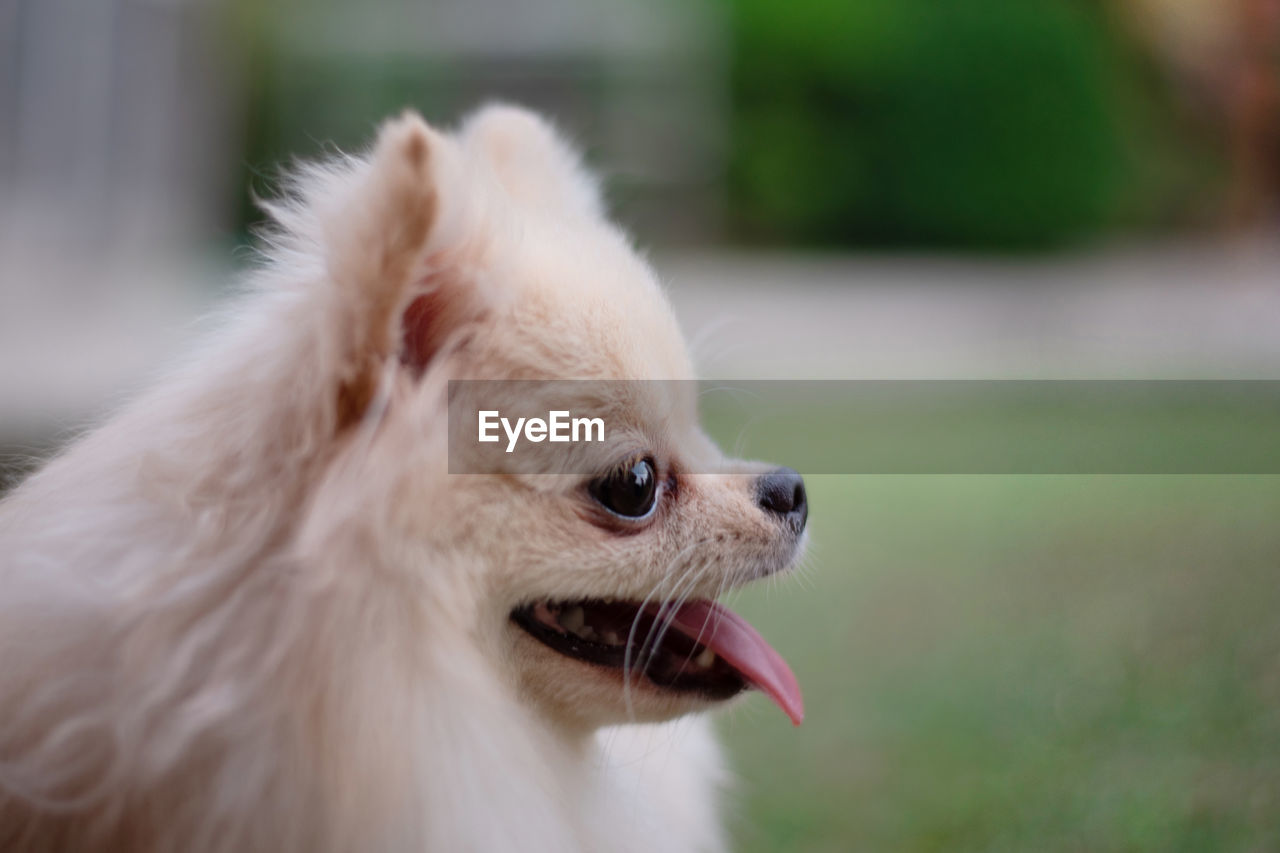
(256, 612)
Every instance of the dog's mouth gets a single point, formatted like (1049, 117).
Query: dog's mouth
(698, 647)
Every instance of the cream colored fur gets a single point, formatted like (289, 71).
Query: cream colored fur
(253, 612)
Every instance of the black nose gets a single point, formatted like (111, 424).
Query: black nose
(781, 491)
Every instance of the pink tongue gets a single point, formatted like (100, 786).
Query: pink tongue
(732, 638)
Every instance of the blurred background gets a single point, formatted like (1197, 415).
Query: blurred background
(880, 189)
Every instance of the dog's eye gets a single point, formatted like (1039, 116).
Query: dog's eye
(629, 491)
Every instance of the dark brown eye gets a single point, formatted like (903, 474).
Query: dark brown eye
(629, 491)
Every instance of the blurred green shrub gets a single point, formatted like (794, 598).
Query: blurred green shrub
(963, 123)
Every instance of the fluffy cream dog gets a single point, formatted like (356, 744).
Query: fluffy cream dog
(255, 612)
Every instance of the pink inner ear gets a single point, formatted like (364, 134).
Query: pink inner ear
(420, 337)
(429, 320)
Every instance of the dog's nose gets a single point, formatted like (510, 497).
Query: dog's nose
(781, 492)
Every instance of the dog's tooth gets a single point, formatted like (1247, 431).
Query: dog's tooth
(586, 632)
(544, 614)
(611, 637)
(573, 619)
(705, 658)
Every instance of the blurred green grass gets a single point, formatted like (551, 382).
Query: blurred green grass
(1049, 663)
(1001, 427)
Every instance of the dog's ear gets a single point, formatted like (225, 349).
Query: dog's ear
(391, 251)
(533, 162)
